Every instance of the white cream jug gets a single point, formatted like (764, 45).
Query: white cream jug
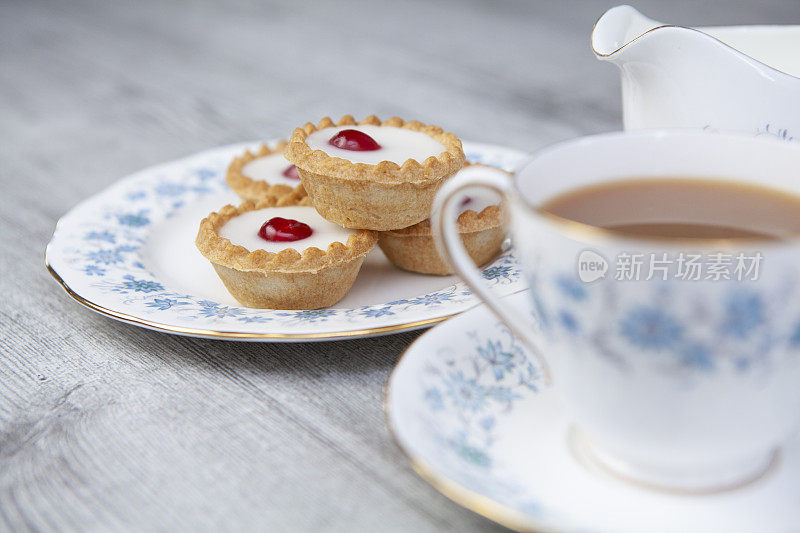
(736, 78)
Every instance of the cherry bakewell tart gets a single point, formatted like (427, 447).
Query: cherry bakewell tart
(481, 225)
(280, 254)
(372, 174)
(266, 172)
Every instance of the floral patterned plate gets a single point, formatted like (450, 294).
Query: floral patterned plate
(129, 253)
(467, 406)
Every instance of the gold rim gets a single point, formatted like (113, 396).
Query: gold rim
(208, 333)
(677, 26)
(469, 499)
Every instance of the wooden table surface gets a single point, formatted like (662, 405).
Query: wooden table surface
(107, 426)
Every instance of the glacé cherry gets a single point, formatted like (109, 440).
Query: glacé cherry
(291, 172)
(354, 140)
(278, 229)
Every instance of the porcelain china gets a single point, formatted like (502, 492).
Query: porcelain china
(467, 405)
(677, 375)
(735, 78)
(129, 253)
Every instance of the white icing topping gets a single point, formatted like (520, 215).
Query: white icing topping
(270, 169)
(243, 229)
(397, 144)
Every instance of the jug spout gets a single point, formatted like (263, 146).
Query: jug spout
(618, 27)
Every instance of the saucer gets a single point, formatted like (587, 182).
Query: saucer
(128, 253)
(469, 409)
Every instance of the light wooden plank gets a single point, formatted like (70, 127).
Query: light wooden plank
(104, 426)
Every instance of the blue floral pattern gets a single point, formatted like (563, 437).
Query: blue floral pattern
(661, 329)
(99, 252)
(744, 312)
(770, 130)
(650, 328)
(497, 375)
(464, 389)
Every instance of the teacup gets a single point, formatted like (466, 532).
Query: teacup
(688, 385)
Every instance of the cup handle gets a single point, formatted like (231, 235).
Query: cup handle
(449, 245)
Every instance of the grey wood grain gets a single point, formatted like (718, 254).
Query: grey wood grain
(104, 426)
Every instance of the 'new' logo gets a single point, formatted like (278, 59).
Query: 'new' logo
(591, 266)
